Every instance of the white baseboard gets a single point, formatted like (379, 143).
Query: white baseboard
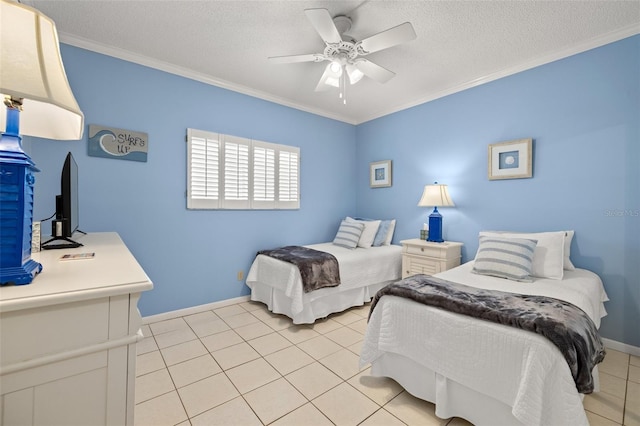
(193, 310)
(622, 347)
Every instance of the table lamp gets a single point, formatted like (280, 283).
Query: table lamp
(34, 89)
(436, 195)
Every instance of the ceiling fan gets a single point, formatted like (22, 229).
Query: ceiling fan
(345, 54)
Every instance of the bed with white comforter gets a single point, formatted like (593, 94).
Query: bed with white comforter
(363, 271)
(485, 372)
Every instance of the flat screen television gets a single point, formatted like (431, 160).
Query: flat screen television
(67, 212)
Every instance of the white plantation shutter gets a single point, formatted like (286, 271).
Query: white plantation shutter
(288, 178)
(264, 175)
(236, 173)
(203, 170)
(229, 172)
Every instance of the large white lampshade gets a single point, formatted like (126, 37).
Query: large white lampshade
(31, 68)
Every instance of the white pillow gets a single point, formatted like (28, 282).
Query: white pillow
(392, 228)
(348, 234)
(548, 259)
(568, 236)
(368, 233)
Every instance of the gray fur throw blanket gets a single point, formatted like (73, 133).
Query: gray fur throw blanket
(565, 325)
(318, 269)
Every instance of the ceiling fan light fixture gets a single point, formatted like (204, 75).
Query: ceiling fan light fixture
(355, 75)
(336, 68)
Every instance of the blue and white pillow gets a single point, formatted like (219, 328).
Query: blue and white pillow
(510, 258)
(348, 234)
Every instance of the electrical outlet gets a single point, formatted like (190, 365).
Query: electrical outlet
(240, 275)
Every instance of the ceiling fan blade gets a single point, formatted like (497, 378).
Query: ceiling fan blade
(391, 37)
(374, 71)
(323, 23)
(312, 57)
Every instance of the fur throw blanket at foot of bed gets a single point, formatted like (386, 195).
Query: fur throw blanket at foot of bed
(565, 325)
(318, 269)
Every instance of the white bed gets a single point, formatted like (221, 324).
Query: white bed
(487, 373)
(363, 271)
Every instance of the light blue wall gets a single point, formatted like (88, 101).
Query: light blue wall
(192, 257)
(583, 113)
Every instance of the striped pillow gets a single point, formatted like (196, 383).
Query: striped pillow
(510, 258)
(348, 234)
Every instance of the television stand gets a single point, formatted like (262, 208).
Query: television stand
(68, 243)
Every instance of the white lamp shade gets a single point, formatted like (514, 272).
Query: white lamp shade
(436, 195)
(31, 68)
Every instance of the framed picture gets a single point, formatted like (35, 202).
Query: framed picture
(380, 174)
(511, 160)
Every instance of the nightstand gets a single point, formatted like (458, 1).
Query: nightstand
(425, 257)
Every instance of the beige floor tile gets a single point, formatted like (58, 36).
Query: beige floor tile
(613, 385)
(251, 331)
(163, 410)
(151, 361)
(175, 337)
(269, 343)
(252, 306)
(457, 421)
(148, 344)
(325, 325)
(152, 385)
(634, 360)
(605, 405)
(344, 363)
(193, 370)
(206, 394)
(596, 420)
(379, 389)
(344, 336)
(345, 317)
(252, 375)
(218, 341)
(382, 418)
(615, 363)
(313, 380)
(235, 355)
(414, 411)
(228, 311)
(356, 348)
(274, 400)
(307, 415)
(634, 374)
(288, 359)
(632, 406)
(209, 327)
(146, 331)
(183, 352)
(344, 405)
(363, 310)
(278, 323)
(232, 413)
(360, 326)
(264, 314)
(298, 333)
(239, 320)
(168, 325)
(201, 317)
(319, 347)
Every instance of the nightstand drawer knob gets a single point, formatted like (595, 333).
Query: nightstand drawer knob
(422, 249)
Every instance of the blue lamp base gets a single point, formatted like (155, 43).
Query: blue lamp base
(16, 214)
(435, 227)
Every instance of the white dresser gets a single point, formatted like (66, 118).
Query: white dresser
(68, 339)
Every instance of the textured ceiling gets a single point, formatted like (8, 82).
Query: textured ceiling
(459, 44)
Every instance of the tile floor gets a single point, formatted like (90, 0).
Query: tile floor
(242, 365)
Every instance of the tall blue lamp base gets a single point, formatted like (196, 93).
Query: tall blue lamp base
(16, 214)
(435, 227)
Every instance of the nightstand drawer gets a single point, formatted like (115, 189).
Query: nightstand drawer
(415, 265)
(436, 252)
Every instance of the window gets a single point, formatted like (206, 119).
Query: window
(229, 172)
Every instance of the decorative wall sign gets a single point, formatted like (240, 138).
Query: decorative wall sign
(380, 174)
(511, 160)
(109, 142)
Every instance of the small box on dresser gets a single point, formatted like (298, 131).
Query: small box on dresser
(425, 257)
